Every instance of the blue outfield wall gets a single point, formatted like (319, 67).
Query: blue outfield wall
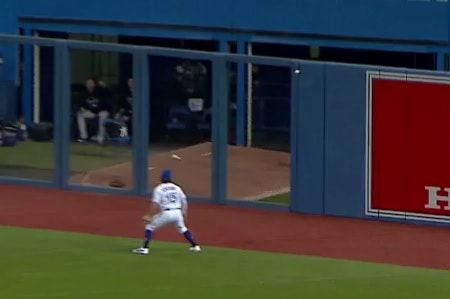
(8, 52)
(310, 130)
(403, 25)
(328, 131)
(348, 96)
(386, 19)
(332, 146)
(345, 124)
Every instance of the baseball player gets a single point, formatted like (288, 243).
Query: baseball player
(169, 206)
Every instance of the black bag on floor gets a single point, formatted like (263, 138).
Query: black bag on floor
(8, 135)
(115, 129)
(41, 132)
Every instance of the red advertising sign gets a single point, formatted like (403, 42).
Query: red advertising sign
(409, 156)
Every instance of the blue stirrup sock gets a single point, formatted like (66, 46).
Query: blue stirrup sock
(148, 238)
(187, 234)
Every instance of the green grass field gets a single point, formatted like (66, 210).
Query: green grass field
(83, 157)
(280, 199)
(48, 264)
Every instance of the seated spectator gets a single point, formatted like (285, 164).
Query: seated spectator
(126, 108)
(104, 92)
(93, 105)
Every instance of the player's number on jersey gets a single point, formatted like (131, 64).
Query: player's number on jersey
(171, 197)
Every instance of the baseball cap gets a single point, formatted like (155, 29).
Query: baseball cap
(166, 175)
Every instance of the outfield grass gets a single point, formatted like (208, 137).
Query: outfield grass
(47, 264)
(83, 157)
(280, 199)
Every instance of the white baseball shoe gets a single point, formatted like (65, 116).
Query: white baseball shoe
(141, 251)
(195, 249)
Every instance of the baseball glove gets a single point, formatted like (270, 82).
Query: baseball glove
(116, 183)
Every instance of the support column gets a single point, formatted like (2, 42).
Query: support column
(146, 113)
(141, 119)
(223, 46)
(27, 81)
(61, 113)
(219, 130)
(249, 97)
(37, 82)
(440, 61)
(294, 202)
(240, 97)
(240, 91)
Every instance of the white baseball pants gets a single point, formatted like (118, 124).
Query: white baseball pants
(174, 217)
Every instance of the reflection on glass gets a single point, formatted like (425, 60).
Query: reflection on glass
(26, 141)
(259, 169)
(180, 130)
(100, 152)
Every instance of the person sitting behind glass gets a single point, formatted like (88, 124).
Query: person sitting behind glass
(93, 105)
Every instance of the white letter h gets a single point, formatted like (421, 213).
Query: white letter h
(434, 198)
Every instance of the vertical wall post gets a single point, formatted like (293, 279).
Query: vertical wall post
(36, 82)
(249, 97)
(440, 61)
(138, 130)
(294, 135)
(219, 130)
(240, 91)
(57, 114)
(61, 114)
(223, 46)
(240, 97)
(27, 81)
(145, 122)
